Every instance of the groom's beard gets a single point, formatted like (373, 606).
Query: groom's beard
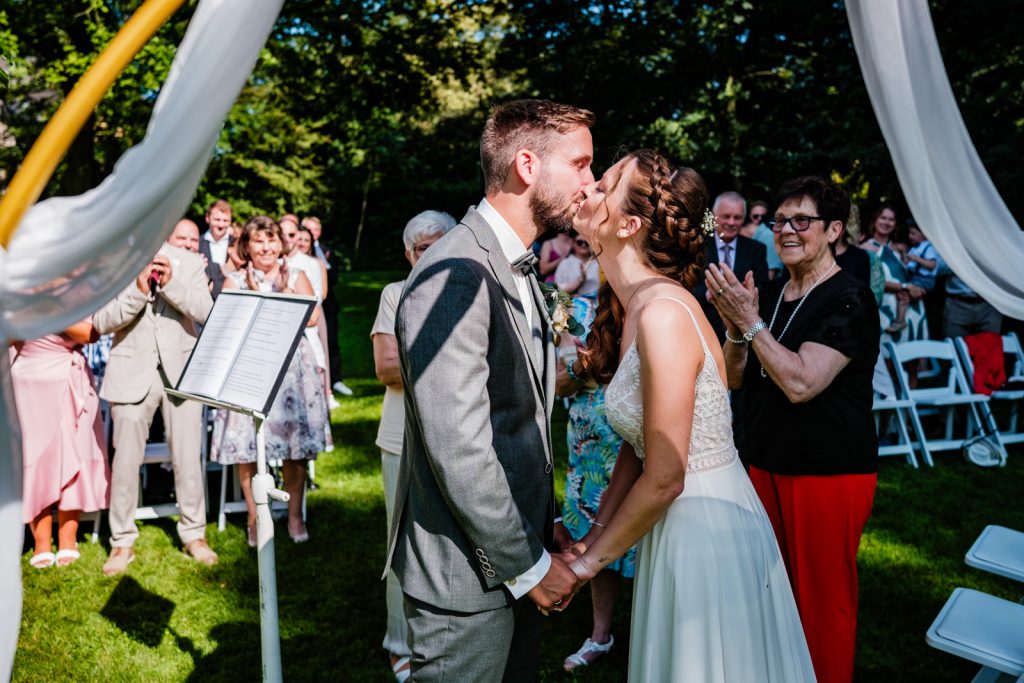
(552, 213)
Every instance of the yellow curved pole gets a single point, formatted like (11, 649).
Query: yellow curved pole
(41, 161)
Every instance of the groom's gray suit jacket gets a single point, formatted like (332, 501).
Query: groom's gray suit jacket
(475, 499)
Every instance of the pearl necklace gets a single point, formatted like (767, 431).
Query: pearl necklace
(782, 295)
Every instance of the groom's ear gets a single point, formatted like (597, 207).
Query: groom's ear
(527, 167)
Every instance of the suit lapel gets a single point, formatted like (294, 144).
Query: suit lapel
(503, 272)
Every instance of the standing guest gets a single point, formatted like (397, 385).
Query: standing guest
(185, 235)
(593, 448)
(756, 230)
(154, 324)
(305, 243)
(552, 251)
(473, 525)
(63, 445)
(965, 312)
(742, 254)
(315, 228)
(805, 351)
(317, 275)
(422, 231)
(215, 241)
(294, 428)
(330, 309)
(898, 289)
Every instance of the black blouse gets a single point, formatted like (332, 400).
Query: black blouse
(834, 432)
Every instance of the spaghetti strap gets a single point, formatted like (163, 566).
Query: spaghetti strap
(693, 318)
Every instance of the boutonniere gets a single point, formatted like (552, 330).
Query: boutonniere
(559, 305)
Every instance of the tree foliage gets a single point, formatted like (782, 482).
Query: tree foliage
(367, 112)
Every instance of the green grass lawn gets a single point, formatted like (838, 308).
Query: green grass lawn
(169, 619)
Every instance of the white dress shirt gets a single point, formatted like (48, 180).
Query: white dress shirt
(513, 248)
(218, 248)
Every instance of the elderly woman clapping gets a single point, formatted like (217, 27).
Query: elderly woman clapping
(804, 350)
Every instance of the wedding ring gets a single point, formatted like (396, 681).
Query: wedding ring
(720, 291)
(558, 602)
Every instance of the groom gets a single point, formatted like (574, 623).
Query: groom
(475, 504)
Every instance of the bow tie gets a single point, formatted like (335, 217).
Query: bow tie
(525, 263)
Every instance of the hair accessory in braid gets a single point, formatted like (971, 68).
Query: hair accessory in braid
(708, 224)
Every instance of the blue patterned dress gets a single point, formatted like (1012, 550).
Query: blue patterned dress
(917, 323)
(593, 449)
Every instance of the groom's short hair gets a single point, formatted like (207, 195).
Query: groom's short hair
(524, 124)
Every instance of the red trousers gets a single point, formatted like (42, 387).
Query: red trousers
(818, 521)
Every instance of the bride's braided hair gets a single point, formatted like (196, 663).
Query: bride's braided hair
(670, 204)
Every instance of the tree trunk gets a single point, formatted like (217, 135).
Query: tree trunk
(362, 211)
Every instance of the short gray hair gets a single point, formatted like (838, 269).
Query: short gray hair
(729, 197)
(426, 224)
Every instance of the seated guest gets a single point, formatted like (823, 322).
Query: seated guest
(294, 428)
(154, 323)
(422, 231)
(898, 288)
(804, 350)
(63, 447)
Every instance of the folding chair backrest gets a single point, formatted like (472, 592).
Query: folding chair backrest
(1012, 348)
(929, 349)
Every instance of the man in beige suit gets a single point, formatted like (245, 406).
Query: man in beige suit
(154, 325)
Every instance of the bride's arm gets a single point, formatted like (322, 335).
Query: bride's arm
(628, 469)
(670, 356)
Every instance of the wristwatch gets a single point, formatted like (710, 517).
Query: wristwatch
(758, 326)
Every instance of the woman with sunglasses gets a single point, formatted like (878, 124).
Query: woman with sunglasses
(804, 351)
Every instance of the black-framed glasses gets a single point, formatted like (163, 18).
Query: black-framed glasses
(799, 223)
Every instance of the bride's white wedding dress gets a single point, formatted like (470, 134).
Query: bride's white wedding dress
(711, 600)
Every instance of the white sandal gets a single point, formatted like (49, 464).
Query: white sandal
(70, 554)
(401, 675)
(43, 560)
(579, 658)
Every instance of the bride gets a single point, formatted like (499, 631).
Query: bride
(712, 601)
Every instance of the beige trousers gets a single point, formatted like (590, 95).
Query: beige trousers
(183, 425)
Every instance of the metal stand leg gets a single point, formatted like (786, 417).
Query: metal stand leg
(262, 491)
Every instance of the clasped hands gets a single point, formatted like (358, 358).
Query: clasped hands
(735, 301)
(568, 573)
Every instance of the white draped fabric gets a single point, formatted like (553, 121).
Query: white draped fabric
(945, 184)
(72, 254)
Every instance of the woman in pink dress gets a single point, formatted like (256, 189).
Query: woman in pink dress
(63, 444)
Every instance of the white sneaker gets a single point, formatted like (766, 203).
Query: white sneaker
(340, 387)
(332, 403)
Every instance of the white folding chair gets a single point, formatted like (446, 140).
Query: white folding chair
(998, 550)
(943, 399)
(1013, 397)
(897, 410)
(981, 628)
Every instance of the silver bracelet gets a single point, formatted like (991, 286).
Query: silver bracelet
(557, 520)
(597, 523)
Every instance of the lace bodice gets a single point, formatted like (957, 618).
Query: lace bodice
(711, 443)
